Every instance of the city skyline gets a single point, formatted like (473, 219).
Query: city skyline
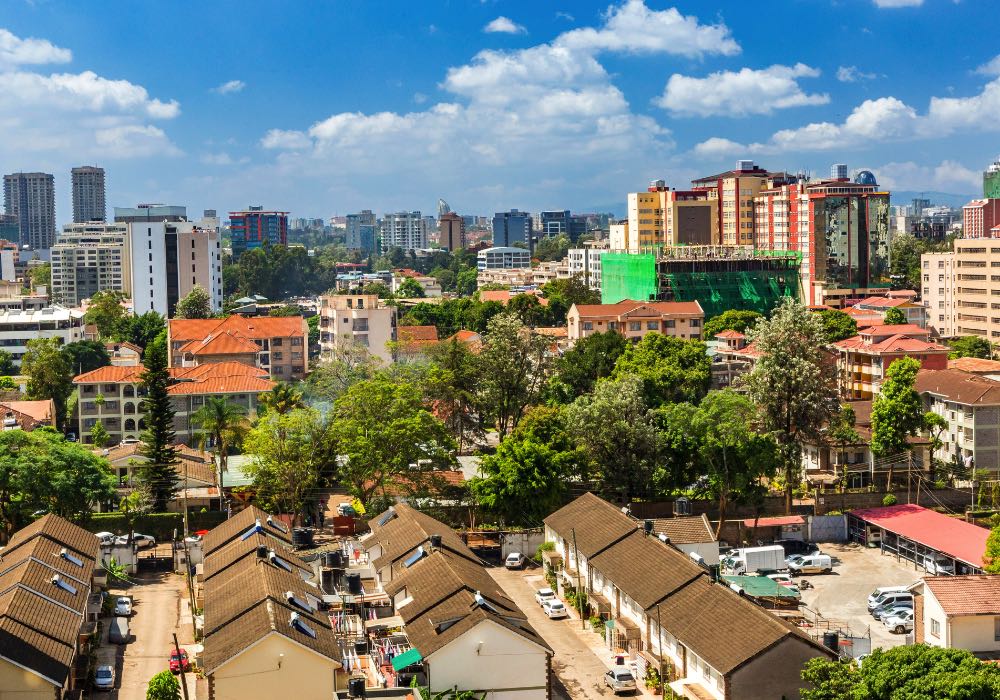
(491, 106)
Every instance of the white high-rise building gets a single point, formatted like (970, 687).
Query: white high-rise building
(406, 230)
(168, 259)
(89, 258)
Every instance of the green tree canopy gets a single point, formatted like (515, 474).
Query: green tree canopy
(894, 317)
(7, 367)
(282, 398)
(730, 320)
(159, 471)
(452, 385)
(992, 555)
(904, 252)
(222, 425)
(142, 329)
(897, 412)
(837, 325)
(163, 686)
(671, 369)
(529, 309)
(589, 360)
(107, 313)
(196, 304)
(410, 289)
(41, 275)
(970, 346)
(562, 294)
(86, 355)
(49, 374)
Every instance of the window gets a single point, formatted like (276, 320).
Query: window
(670, 323)
(996, 629)
(635, 325)
(588, 325)
(277, 341)
(296, 342)
(935, 628)
(695, 322)
(652, 325)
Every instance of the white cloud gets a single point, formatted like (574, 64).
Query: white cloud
(222, 158)
(738, 94)
(229, 87)
(991, 67)
(717, 147)
(15, 51)
(419, 98)
(886, 4)
(85, 91)
(852, 74)
(504, 25)
(286, 140)
(947, 176)
(134, 141)
(566, 16)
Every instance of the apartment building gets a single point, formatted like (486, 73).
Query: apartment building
(406, 230)
(348, 320)
(863, 360)
(89, 258)
(937, 274)
(278, 345)
(88, 194)
(585, 263)
(361, 232)
(970, 404)
(255, 228)
(979, 217)
(635, 319)
(503, 258)
(510, 227)
(451, 231)
(733, 193)
(17, 327)
(31, 199)
(871, 311)
(664, 216)
(964, 285)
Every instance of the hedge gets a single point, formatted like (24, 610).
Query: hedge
(160, 525)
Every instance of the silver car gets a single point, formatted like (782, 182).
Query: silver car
(104, 678)
(620, 680)
(900, 623)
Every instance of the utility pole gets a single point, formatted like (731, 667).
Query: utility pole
(579, 601)
(180, 663)
(659, 645)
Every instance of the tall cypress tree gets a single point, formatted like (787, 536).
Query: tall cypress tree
(159, 472)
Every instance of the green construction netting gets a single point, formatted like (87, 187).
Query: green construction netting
(627, 276)
(759, 290)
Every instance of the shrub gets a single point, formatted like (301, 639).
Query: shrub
(889, 500)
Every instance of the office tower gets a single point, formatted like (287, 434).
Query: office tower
(510, 227)
(451, 231)
(406, 230)
(734, 193)
(664, 216)
(30, 197)
(838, 171)
(88, 194)
(360, 232)
(9, 228)
(443, 208)
(89, 258)
(256, 228)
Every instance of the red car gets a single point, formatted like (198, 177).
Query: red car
(180, 662)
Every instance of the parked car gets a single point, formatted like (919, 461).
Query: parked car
(141, 541)
(812, 564)
(119, 631)
(900, 623)
(515, 560)
(104, 678)
(105, 537)
(123, 607)
(875, 598)
(936, 566)
(797, 547)
(620, 680)
(179, 662)
(891, 609)
(544, 594)
(555, 609)
(891, 599)
(783, 579)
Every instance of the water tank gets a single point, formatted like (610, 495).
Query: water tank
(436, 541)
(328, 580)
(831, 640)
(361, 647)
(682, 506)
(302, 537)
(356, 687)
(744, 165)
(353, 584)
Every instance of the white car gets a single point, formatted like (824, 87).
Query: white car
(515, 560)
(544, 594)
(105, 537)
(555, 609)
(783, 579)
(620, 680)
(104, 678)
(900, 623)
(123, 607)
(937, 567)
(141, 541)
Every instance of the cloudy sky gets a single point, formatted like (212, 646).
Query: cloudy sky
(328, 107)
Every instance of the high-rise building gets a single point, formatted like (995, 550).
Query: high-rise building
(451, 231)
(31, 198)
(979, 217)
(168, 258)
(10, 230)
(937, 271)
(664, 216)
(361, 232)
(558, 222)
(958, 288)
(443, 208)
(510, 227)
(406, 230)
(838, 171)
(89, 258)
(88, 194)
(255, 228)
(991, 181)
(150, 212)
(734, 192)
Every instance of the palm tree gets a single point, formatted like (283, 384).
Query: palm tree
(282, 398)
(222, 423)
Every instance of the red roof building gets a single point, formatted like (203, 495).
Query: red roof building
(634, 319)
(862, 360)
(279, 344)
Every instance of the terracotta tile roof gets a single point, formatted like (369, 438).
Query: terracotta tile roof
(910, 329)
(437, 480)
(112, 374)
(895, 343)
(598, 524)
(975, 365)
(685, 530)
(960, 387)
(464, 336)
(557, 332)
(40, 411)
(112, 347)
(212, 370)
(222, 385)
(225, 343)
(238, 524)
(416, 338)
(505, 295)
(255, 328)
(966, 595)
(641, 308)
(729, 333)
(883, 302)
(644, 568)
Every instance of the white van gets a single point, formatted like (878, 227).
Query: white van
(890, 599)
(937, 566)
(875, 596)
(811, 564)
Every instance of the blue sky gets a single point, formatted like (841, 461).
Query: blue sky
(324, 108)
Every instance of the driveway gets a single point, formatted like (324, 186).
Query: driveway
(579, 662)
(156, 617)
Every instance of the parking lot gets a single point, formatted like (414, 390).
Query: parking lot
(842, 595)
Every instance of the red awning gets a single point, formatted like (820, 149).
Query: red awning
(775, 522)
(951, 536)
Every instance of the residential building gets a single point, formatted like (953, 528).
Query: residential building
(88, 194)
(406, 230)
(430, 285)
(938, 279)
(958, 612)
(349, 320)
(168, 258)
(503, 258)
(31, 199)
(975, 365)
(28, 415)
(585, 263)
(10, 258)
(979, 217)
(517, 279)
(733, 193)
(732, 357)
(17, 327)
(89, 258)
(964, 287)
(144, 213)
(546, 272)
(663, 216)
(451, 231)
(255, 228)
(635, 319)
(991, 180)
(692, 535)
(875, 308)
(970, 405)
(276, 344)
(665, 611)
(113, 396)
(863, 360)
(12, 297)
(414, 342)
(361, 232)
(510, 227)
(124, 354)
(196, 473)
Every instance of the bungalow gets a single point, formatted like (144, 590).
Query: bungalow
(958, 612)
(28, 415)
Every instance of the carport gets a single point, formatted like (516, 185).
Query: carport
(913, 532)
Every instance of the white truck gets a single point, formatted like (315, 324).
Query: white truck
(750, 560)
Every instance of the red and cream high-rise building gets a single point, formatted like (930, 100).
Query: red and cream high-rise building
(980, 216)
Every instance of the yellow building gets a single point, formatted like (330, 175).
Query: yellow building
(734, 193)
(664, 216)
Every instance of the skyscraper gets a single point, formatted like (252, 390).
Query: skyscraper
(510, 227)
(255, 228)
(451, 231)
(31, 198)
(361, 232)
(406, 230)
(88, 194)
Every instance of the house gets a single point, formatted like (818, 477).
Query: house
(732, 357)
(863, 360)
(503, 296)
(414, 341)
(28, 415)
(975, 365)
(691, 535)
(634, 319)
(114, 396)
(17, 327)
(124, 354)
(970, 404)
(871, 310)
(47, 617)
(430, 285)
(195, 473)
(349, 320)
(278, 344)
(958, 612)
(661, 608)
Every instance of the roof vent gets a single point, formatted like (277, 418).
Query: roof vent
(262, 552)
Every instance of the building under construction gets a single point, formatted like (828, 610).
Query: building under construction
(718, 277)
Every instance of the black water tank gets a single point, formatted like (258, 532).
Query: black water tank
(436, 541)
(302, 537)
(337, 559)
(647, 525)
(328, 559)
(262, 552)
(831, 640)
(356, 687)
(353, 584)
(404, 680)
(361, 647)
(328, 580)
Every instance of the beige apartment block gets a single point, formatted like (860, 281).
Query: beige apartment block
(664, 216)
(634, 319)
(937, 279)
(356, 319)
(971, 282)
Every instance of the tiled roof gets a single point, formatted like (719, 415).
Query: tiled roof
(415, 338)
(644, 568)
(505, 295)
(37, 635)
(257, 328)
(50, 553)
(557, 332)
(966, 595)
(58, 530)
(223, 385)
(883, 302)
(111, 374)
(641, 308)
(960, 387)
(239, 549)
(406, 530)
(690, 530)
(895, 343)
(729, 333)
(40, 411)
(112, 347)
(975, 365)
(225, 343)
(238, 524)
(597, 523)
(209, 378)
(910, 329)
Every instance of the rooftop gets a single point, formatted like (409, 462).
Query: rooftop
(977, 594)
(955, 538)
(960, 387)
(975, 365)
(641, 308)
(254, 328)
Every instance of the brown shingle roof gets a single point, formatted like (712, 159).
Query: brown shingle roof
(33, 575)
(49, 553)
(693, 530)
(957, 386)
(966, 595)
(644, 568)
(240, 523)
(407, 529)
(239, 549)
(37, 634)
(597, 523)
(58, 530)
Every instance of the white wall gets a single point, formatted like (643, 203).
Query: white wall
(974, 632)
(149, 278)
(934, 611)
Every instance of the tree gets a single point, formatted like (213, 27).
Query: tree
(49, 374)
(562, 294)
(671, 369)
(616, 430)
(141, 330)
(382, 431)
(86, 355)
(41, 275)
(837, 325)
(159, 471)
(894, 317)
(992, 556)
(410, 289)
(529, 309)
(134, 505)
(678, 463)
(107, 313)
(349, 364)
(897, 412)
(41, 470)
(7, 367)
(99, 435)
(792, 383)
(731, 320)
(515, 367)
(163, 686)
(466, 281)
(970, 346)
(196, 304)
(451, 387)
(589, 360)
(222, 425)
(282, 398)
(904, 252)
